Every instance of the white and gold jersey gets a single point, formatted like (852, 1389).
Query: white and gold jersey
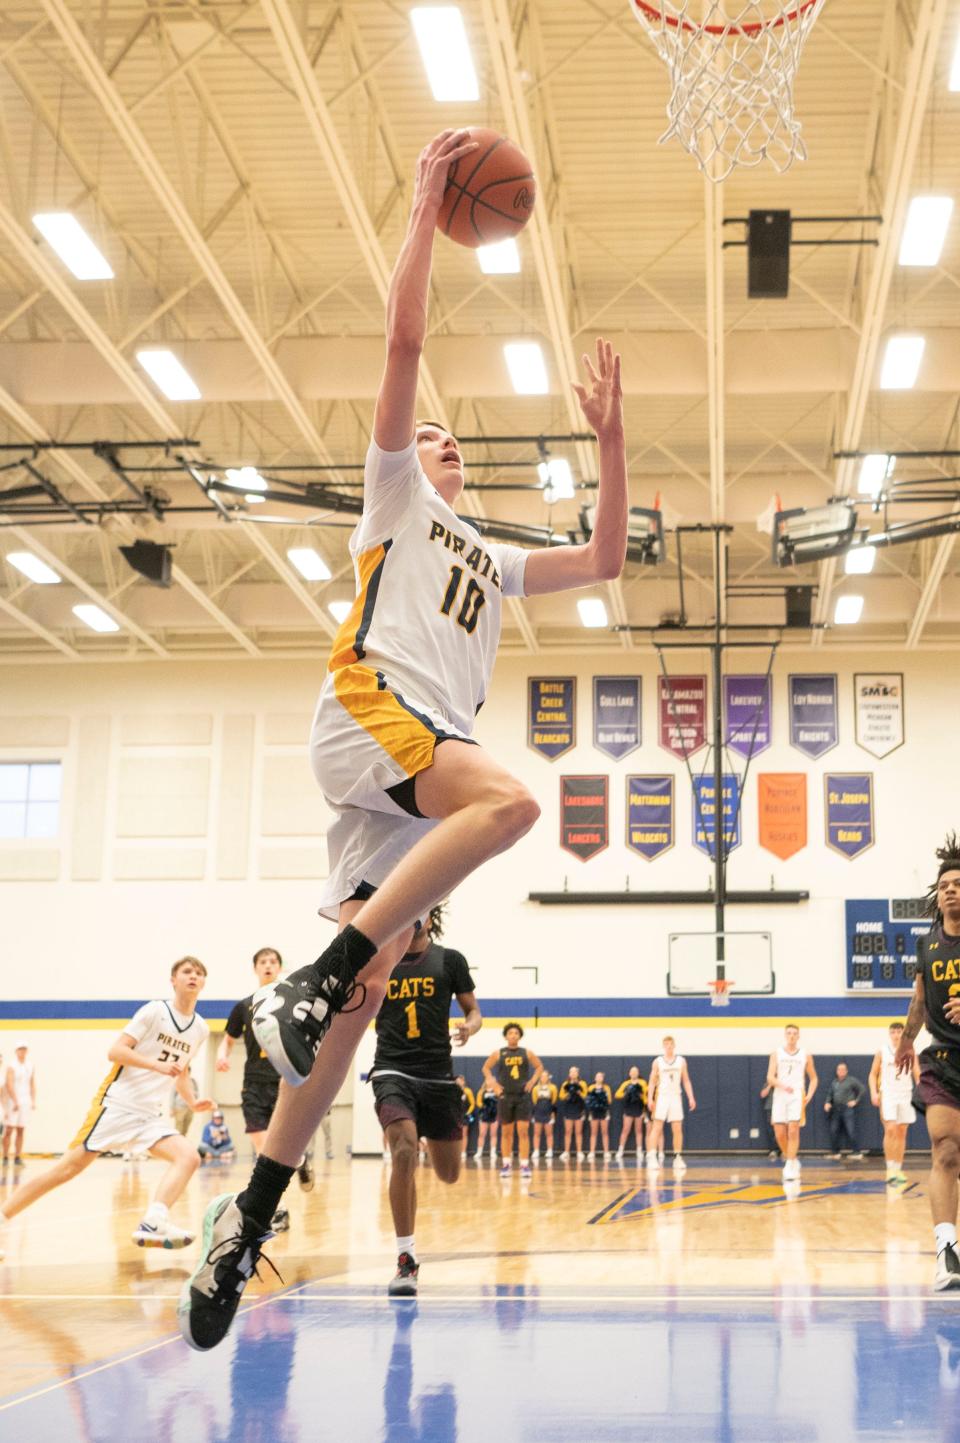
(163, 1035)
(671, 1078)
(791, 1067)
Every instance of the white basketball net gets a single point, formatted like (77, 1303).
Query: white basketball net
(732, 66)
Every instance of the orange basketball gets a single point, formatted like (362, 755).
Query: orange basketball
(490, 192)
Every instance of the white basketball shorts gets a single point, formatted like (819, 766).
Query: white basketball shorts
(787, 1106)
(894, 1110)
(668, 1109)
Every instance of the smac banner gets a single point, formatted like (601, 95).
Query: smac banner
(650, 815)
(848, 810)
(616, 715)
(705, 814)
(584, 815)
(782, 802)
(551, 715)
(814, 722)
(746, 714)
(682, 714)
(878, 707)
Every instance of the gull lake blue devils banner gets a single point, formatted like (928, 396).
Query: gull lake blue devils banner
(705, 813)
(746, 712)
(848, 812)
(616, 715)
(551, 715)
(650, 826)
(814, 724)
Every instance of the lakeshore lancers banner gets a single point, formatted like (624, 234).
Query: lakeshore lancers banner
(682, 714)
(650, 817)
(584, 815)
(782, 802)
(705, 814)
(551, 715)
(814, 724)
(616, 715)
(850, 821)
(746, 711)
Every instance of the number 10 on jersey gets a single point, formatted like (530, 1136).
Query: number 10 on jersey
(473, 599)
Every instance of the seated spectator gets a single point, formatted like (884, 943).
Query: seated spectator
(216, 1141)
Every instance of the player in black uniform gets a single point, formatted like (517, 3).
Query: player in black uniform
(936, 1005)
(512, 1072)
(414, 1088)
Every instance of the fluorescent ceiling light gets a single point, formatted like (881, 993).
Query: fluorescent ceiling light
(95, 617)
(557, 480)
(340, 610)
(246, 477)
(874, 470)
(445, 48)
(954, 83)
(528, 371)
(500, 259)
(309, 563)
(848, 610)
(64, 234)
(33, 568)
(592, 611)
(925, 230)
(901, 362)
(860, 560)
(169, 375)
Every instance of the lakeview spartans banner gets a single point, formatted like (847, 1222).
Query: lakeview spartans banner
(682, 714)
(551, 715)
(584, 816)
(650, 819)
(848, 810)
(782, 803)
(616, 715)
(878, 706)
(746, 713)
(705, 814)
(814, 721)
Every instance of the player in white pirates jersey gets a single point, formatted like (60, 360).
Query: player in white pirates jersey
(129, 1110)
(417, 806)
(669, 1080)
(787, 1068)
(893, 1095)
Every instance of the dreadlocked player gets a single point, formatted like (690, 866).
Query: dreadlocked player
(936, 1005)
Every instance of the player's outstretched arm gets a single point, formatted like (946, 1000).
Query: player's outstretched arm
(563, 568)
(409, 287)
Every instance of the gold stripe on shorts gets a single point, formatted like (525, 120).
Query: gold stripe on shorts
(96, 1107)
(384, 718)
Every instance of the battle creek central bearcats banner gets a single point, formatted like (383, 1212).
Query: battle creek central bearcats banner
(814, 722)
(584, 815)
(682, 714)
(746, 714)
(650, 816)
(551, 715)
(705, 814)
(616, 715)
(782, 802)
(879, 711)
(849, 813)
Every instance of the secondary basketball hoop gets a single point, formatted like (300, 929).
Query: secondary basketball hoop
(720, 989)
(732, 76)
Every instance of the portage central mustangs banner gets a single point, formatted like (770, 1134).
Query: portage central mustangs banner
(584, 815)
(705, 814)
(848, 810)
(650, 824)
(551, 715)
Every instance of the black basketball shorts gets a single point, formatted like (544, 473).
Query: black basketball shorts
(515, 1107)
(257, 1102)
(434, 1107)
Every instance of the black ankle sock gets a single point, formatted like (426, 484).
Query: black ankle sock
(261, 1197)
(351, 944)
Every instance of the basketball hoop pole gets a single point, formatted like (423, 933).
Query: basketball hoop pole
(719, 829)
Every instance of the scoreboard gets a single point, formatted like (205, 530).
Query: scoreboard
(882, 944)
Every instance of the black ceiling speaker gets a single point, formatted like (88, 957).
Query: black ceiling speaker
(768, 255)
(150, 560)
(799, 601)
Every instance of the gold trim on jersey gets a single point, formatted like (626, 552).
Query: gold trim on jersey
(96, 1107)
(344, 651)
(408, 741)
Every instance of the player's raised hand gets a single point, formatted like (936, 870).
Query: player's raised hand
(601, 398)
(434, 162)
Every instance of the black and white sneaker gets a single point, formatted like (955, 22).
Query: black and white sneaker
(230, 1250)
(290, 1017)
(280, 1222)
(305, 1174)
(948, 1269)
(404, 1284)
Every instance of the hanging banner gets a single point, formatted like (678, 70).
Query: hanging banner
(814, 721)
(705, 813)
(616, 715)
(584, 828)
(682, 714)
(746, 713)
(848, 811)
(782, 803)
(650, 820)
(551, 715)
(878, 707)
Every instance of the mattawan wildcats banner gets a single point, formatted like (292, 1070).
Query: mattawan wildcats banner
(616, 715)
(551, 715)
(584, 816)
(650, 815)
(848, 812)
(814, 721)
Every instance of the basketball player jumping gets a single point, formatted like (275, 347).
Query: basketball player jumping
(785, 1079)
(936, 1006)
(418, 806)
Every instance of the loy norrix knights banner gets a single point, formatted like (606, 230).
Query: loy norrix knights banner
(650, 817)
(584, 815)
(705, 813)
(616, 715)
(746, 714)
(814, 722)
(848, 812)
(551, 715)
(782, 807)
(682, 714)
(878, 698)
